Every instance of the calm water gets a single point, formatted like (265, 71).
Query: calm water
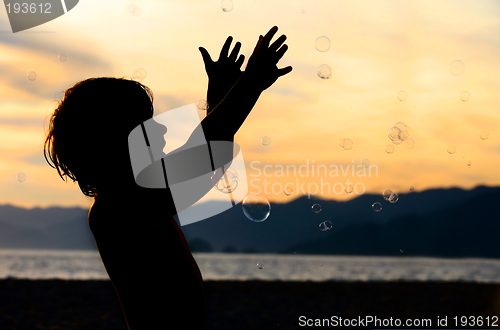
(36, 264)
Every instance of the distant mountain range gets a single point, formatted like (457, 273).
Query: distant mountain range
(439, 222)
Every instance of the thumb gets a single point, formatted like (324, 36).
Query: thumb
(206, 56)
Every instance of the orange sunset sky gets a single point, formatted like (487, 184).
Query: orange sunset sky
(378, 48)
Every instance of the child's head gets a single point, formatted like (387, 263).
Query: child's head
(88, 132)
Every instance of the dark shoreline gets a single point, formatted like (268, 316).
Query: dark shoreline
(92, 304)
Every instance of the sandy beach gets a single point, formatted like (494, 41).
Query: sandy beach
(61, 304)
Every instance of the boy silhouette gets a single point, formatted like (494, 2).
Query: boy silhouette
(145, 254)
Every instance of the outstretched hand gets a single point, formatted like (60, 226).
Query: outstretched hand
(262, 66)
(224, 73)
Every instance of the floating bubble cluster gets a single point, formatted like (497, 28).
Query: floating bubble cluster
(32, 75)
(21, 177)
(266, 140)
(347, 144)
(377, 207)
(139, 74)
(227, 5)
(465, 96)
(228, 181)
(63, 57)
(325, 225)
(322, 44)
(316, 208)
(256, 208)
(324, 71)
(457, 67)
(399, 133)
(402, 95)
(202, 104)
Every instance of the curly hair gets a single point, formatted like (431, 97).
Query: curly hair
(93, 115)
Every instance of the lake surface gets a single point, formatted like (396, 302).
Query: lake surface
(86, 265)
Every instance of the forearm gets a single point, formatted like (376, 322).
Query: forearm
(222, 123)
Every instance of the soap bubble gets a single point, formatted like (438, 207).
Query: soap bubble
(288, 190)
(402, 95)
(377, 207)
(202, 104)
(465, 96)
(324, 71)
(451, 149)
(316, 208)
(228, 181)
(409, 143)
(266, 140)
(63, 57)
(394, 198)
(139, 74)
(325, 225)
(484, 135)
(412, 188)
(457, 67)
(401, 250)
(394, 133)
(468, 163)
(32, 75)
(347, 144)
(256, 208)
(349, 188)
(131, 8)
(21, 177)
(389, 148)
(260, 266)
(137, 11)
(227, 5)
(322, 44)
(387, 194)
(365, 162)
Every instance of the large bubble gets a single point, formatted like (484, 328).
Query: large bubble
(256, 208)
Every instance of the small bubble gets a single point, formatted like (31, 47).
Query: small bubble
(409, 143)
(394, 133)
(412, 188)
(131, 8)
(63, 57)
(303, 11)
(21, 177)
(139, 74)
(389, 148)
(401, 250)
(465, 96)
(32, 75)
(322, 44)
(484, 135)
(137, 11)
(202, 104)
(468, 163)
(324, 71)
(394, 198)
(457, 67)
(228, 181)
(402, 95)
(288, 190)
(377, 207)
(349, 188)
(266, 140)
(260, 266)
(451, 149)
(325, 225)
(316, 208)
(365, 162)
(227, 5)
(347, 144)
